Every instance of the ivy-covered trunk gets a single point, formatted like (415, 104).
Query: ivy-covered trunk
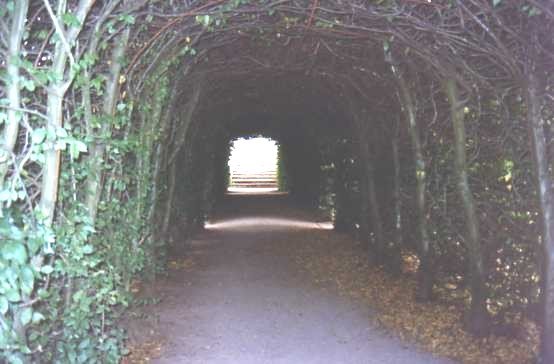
(8, 142)
(102, 135)
(477, 318)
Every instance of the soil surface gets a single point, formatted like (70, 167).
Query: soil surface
(236, 295)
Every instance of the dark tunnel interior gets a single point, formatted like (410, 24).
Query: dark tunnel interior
(313, 106)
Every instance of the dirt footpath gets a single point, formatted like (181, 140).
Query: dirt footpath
(237, 296)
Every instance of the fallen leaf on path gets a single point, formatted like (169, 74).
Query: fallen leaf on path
(143, 353)
(436, 327)
(184, 264)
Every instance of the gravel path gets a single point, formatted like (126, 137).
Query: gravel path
(241, 299)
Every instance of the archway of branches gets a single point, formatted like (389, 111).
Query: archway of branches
(416, 125)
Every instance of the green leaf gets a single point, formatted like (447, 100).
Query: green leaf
(37, 317)
(61, 133)
(76, 147)
(47, 269)
(13, 295)
(533, 11)
(28, 84)
(26, 315)
(3, 117)
(127, 19)
(27, 280)
(38, 135)
(70, 20)
(42, 34)
(3, 338)
(14, 251)
(205, 20)
(6, 195)
(88, 249)
(96, 83)
(14, 359)
(4, 305)
(10, 275)
(111, 28)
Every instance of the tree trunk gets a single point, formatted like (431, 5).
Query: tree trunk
(51, 169)
(536, 124)
(187, 112)
(375, 213)
(477, 318)
(396, 258)
(397, 194)
(169, 202)
(96, 152)
(342, 222)
(11, 128)
(425, 272)
(54, 110)
(370, 204)
(364, 218)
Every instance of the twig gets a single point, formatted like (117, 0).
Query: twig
(60, 31)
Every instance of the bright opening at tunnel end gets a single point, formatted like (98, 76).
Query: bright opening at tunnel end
(253, 165)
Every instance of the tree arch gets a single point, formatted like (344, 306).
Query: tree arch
(435, 115)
